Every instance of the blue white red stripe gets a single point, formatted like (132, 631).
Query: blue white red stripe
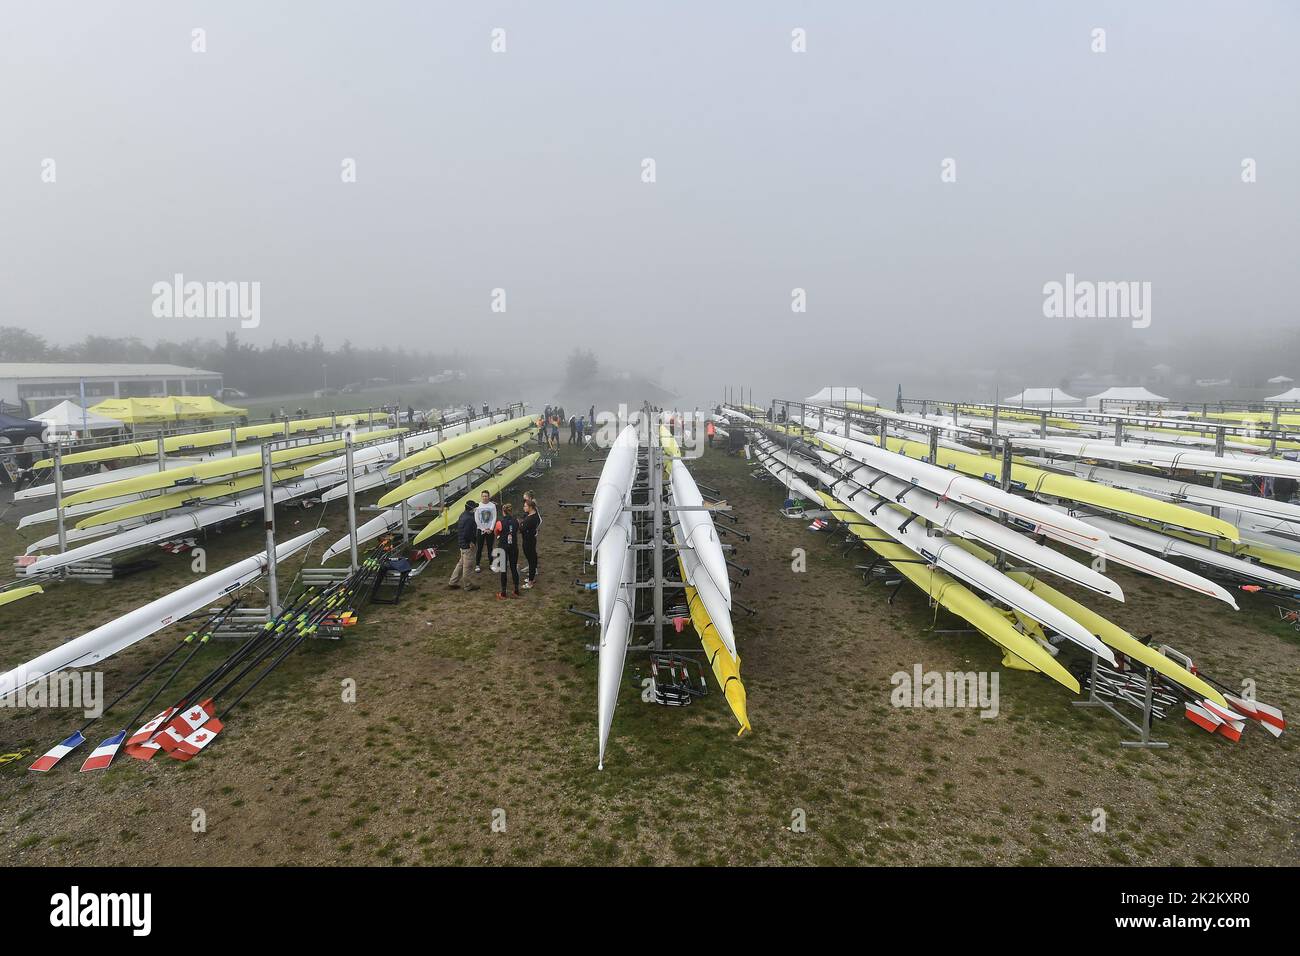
(103, 754)
(58, 752)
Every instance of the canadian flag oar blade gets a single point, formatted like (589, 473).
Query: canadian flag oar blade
(103, 754)
(184, 724)
(191, 745)
(139, 744)
(58, 752)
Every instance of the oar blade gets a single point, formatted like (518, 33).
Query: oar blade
(103, 754)
(191, 745)
(184, 724)
(140, 744)
(58, 752)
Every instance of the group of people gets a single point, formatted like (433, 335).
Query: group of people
(502, 534)
(553, 418)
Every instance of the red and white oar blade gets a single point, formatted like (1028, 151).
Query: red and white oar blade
(103, 754)
(1202, 718)
(196, 741)
(1228, 716)
(139, 745)
(58, 752)
(1232, 729)
(1269, 717)
(145, 732)
(190, 719)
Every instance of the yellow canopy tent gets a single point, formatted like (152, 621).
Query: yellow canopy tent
(140, 411)
(209, 407)
(165, 410)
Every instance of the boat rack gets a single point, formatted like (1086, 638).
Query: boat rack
(652, 519)
(1106, 684)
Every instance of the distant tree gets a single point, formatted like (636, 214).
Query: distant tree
(19, 345)
(580, 368)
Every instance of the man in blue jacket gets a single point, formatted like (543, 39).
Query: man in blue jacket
(466, 536)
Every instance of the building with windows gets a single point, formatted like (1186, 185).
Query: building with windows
(36, 386)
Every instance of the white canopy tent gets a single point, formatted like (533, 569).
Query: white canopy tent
(1125, 393)
(1290, 395)
(67, 417)
(842, 393)
(1280, 380)
(1041, 398)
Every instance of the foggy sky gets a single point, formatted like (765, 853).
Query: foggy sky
(775, 170)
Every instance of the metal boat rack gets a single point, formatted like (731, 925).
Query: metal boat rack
(1106, 684)
(652, 519)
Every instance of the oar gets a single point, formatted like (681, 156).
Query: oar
(141, 744)
(103, 755)
(189, 733)
(51, 757)
(201, 736)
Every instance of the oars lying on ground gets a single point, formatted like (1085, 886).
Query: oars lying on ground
(184, 730)
(197, 637)
(141, 745)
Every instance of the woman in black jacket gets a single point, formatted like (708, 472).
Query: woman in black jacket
(528, 533)
(507, 540)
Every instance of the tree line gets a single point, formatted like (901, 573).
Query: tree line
(279, 368)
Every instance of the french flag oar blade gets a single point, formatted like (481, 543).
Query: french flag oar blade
(58, 752)
(191, 745)
(140, 744)
(103, 754)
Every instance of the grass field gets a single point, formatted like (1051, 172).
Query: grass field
(471, 710)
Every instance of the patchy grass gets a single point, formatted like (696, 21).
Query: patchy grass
(473, 737)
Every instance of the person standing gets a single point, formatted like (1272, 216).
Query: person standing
(485, 519)
(573, 430)
(710, 430)
(507, 542)
(466, 532)
(528, 535)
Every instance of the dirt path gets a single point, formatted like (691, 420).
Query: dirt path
(471, 710)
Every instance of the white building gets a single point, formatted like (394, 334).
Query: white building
(36, 386)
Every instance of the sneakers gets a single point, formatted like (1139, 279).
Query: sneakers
(477, 569)
(527, 585)
(516, 594)
(454, 587)
(470, 587)
(501, 595)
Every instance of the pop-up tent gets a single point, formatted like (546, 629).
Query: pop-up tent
(67, 417)
(1290, 395)
(837, 394)
(1041, 398)
(208, 407)
(162, 411)
(1125, 393)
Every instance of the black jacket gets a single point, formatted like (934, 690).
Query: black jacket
(466, 530)
(508, 533)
